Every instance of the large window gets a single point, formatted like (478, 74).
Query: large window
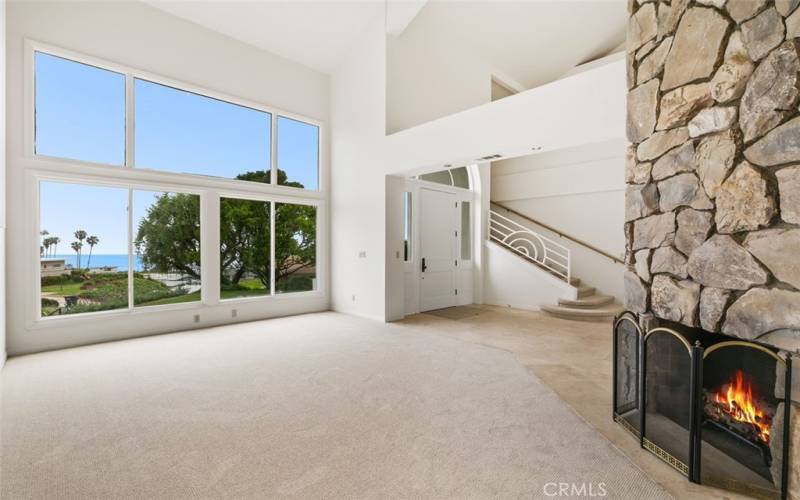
(189, 133)
(83, 253)
(245, 246)
(166, 231)
(295, 248)
(134, 241)
(80, 114)
(80, 111)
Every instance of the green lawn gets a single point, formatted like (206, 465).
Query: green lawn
(109, 291)
(178, 299)
(63, 289)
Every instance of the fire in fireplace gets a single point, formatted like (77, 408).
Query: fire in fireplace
(715, 408)
(735, 408)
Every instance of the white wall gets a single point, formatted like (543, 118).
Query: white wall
(579, 191)
(358, 188)
(583, 109)
(2, 184)
(396, 267)
(509, 280)
(134, 34)
(427, 77)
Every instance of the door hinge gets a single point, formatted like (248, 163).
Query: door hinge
(456, 234)
(456, 204)
(456, 291)
(456, 261)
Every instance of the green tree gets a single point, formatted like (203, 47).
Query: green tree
(45, 245)
(76, 246)
(168, 237)
(295, 239)
(92, 241)
(80, 235)
(55, 240)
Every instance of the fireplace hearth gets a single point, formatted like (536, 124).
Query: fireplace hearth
(713, 407)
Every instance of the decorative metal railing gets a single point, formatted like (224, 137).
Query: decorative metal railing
(535, 247)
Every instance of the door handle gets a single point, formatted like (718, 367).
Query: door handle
(424, 266)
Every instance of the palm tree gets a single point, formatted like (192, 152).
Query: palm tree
(92, 241)
(77, 245)
(80, 235)
(55, 240)
(45, 242)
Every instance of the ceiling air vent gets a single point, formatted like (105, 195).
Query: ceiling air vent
(490, 157)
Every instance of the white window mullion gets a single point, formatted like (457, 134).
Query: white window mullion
(129, 121)
(272, 248)
(210, 278)
(273, 155)
(130, 249)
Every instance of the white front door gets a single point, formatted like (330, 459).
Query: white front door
(437, 243)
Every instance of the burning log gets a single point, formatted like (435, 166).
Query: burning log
(734, 407)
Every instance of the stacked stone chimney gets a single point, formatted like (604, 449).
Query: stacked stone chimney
(713, 171)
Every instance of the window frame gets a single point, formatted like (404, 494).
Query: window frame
(42, 168)
(131, 74)
(38, 179)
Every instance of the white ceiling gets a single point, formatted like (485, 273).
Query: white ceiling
(316, 33)
(531, 41)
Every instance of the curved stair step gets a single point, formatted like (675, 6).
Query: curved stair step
(582, 314)
(585, 291)
(592, 301)
(575, 281)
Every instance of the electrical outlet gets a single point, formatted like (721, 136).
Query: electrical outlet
(197, 318)
(234, 313)
(362, 254)
(354, 298)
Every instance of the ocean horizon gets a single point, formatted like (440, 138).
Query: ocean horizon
(120, 261)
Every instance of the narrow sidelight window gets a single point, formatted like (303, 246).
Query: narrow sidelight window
(466, 230)
(407, 226)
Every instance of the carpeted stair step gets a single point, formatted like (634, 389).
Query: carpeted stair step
(592, 301)
(583, 314)
(585, 291)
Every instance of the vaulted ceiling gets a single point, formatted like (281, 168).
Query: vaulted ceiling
(315, 33)
(534, 40)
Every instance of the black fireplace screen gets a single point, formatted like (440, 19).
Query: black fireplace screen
(714, 408)
(627, 336)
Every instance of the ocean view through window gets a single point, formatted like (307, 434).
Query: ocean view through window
(199, 168)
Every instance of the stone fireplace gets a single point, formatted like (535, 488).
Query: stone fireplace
(713, 186)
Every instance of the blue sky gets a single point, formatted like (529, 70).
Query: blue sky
(100, 211)
(80, 114)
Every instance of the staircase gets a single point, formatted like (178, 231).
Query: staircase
(555, 259)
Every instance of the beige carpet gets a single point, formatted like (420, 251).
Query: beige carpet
(316, 406)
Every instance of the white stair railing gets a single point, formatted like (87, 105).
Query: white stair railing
(534, 246)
